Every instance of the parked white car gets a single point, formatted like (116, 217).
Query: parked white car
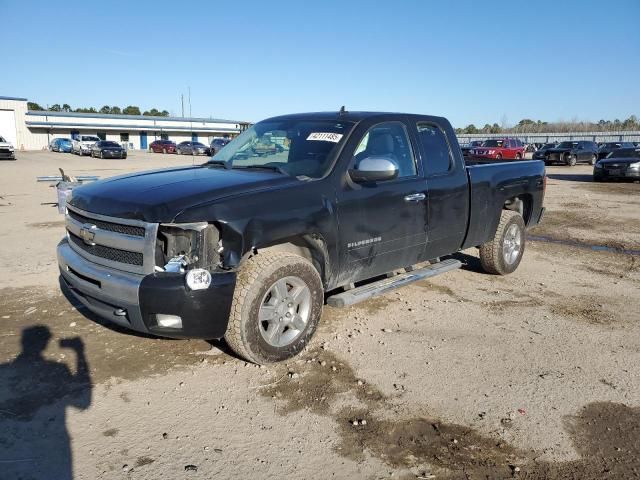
(83, 143)
(7, 151)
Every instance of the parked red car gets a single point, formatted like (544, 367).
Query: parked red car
(500, 149)
(163, 146)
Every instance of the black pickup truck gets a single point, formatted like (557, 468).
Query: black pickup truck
(250, 245)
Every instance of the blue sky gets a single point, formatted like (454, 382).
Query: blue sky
(471, 61)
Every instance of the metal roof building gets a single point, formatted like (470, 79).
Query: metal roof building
(33, 130)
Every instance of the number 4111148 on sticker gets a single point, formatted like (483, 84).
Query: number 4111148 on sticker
(325, 137)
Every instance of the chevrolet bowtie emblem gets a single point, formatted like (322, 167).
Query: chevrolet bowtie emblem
(87, 233)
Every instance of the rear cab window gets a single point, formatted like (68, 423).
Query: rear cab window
(438, 159)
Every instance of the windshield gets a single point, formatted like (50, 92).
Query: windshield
(2, 140)
(89, 139)
(548, 145)
(297, 147)
(493, 143)
(625, 153)
(568, 144)
(608, 146)
(64, 140)
(109, 144)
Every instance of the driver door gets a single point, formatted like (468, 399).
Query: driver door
(382, 225)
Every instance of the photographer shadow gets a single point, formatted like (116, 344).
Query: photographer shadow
(34, 398)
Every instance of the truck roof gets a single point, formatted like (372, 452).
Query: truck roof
(349, 116)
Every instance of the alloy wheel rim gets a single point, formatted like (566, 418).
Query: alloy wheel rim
(512, 244)
(284, 311)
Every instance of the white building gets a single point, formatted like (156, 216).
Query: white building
(33, 130)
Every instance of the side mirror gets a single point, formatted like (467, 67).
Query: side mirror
(374, 169)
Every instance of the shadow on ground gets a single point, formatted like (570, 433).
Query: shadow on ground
(33, 404)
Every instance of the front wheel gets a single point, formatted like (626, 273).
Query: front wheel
(593, 160)
(502, 254)
(499, 157)
(276, 307)
(571, 160)
(518, 156)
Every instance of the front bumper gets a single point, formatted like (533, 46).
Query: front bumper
(7, 154)
(132, 301)
(603, 173)
(114, 154)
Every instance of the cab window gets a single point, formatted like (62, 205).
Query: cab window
(389, 140)
(438, 158)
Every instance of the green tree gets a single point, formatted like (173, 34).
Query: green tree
(116, 110)
(131, 110)
(34, 106)
(470, 129)
(105, 109)
(55, 108)
(66, 107)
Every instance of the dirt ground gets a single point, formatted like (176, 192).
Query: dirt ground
(466, 376)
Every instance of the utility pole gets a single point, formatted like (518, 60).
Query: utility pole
(182, 102)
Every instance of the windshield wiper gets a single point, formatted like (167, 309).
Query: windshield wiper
(219, 163)
(273, 168)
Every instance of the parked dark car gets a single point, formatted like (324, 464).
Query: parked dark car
(192, 148)
(539, 154)
(218, 144)
(61, 145)
(608, 147)
(247, 247)
(163, 146)
(466, 148)
(572, 152)
(107, 149)
(623, 163)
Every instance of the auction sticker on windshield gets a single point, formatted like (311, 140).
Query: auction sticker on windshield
(325, 137)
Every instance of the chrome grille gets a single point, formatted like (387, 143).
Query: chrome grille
(109, 253)
(111, 227)
(119, 243)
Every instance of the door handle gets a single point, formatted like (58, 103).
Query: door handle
(415, 197)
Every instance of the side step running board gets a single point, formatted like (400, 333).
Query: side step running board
(364, 292)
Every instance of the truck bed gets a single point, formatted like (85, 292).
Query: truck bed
(491, 185)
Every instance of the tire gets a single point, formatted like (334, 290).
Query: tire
(518, 156)
(593, 160)
(257, 288)
(499, 257)
(571, 160)
(498, 157)
(164, 151)
(101, 155)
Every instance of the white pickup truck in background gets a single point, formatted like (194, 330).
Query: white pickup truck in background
(7, 151)
(83, 143)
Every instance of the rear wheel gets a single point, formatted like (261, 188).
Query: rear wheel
(502, 254)
(276, 307)
(593, 160)
(498, 157)
(164, 150)
(518, 156)
(571, 160)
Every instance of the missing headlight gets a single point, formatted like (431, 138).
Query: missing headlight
(195, 244)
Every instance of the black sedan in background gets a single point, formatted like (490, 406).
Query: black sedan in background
(192, 148)
(570, 153)
(623, 163)
(107, 149)
(539, 154)
(608, 147)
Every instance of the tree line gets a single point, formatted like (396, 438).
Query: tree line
(527, 125)
(128, 110)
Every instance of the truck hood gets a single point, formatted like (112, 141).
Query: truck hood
(160, 195)
(5, 145)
